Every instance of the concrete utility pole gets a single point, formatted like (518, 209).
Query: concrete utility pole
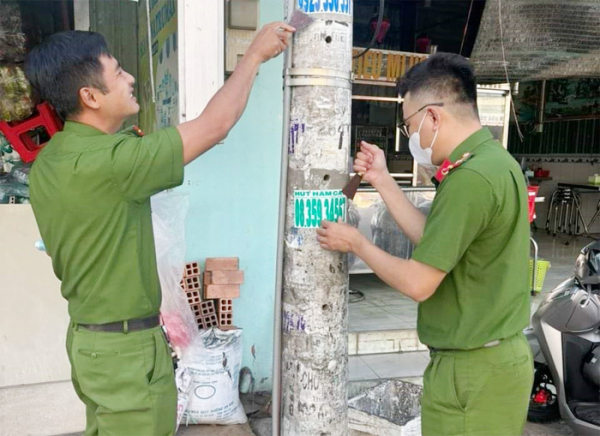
(315, 281)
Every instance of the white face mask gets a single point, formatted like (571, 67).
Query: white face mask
(420, 154)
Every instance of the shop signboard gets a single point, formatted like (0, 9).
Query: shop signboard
(164, 111)
(326, 6)
(572, 99)
(383, 65)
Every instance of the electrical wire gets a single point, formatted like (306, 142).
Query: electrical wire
(150, 60)
(466, 27)
(355, 296)
(512, 104)
(379, 21)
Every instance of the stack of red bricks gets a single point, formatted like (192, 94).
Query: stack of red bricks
(204, 311)
(222, 280)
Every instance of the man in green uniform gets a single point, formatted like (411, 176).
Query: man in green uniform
(90, 192)
(469, 269)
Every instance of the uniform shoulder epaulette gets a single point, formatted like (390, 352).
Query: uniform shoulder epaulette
(446, 167)
(132, 130)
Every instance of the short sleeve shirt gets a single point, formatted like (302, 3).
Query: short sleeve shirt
(478, 233)
(90, 194)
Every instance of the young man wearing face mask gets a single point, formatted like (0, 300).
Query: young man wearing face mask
(469, 271)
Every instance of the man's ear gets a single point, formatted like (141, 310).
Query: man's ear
(436, 116)
(88, 97)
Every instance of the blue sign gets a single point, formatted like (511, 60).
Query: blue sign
(327, 6)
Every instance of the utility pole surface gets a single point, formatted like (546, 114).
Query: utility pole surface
(315, 281)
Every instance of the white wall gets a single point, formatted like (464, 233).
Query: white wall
(33, 314)
(201, 56)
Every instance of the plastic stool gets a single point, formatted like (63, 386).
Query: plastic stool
(17, 133)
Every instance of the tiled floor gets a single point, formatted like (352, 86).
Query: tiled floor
(382, 308)
(385, 309)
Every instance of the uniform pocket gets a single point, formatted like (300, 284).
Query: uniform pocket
(510, 364)
(97, 354)
(161, 356)
(442, 412)
(456, 383)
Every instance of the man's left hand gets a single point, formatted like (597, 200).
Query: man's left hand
(339, 236)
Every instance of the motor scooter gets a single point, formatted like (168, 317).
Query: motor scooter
(565, 341)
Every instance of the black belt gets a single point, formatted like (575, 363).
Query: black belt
(490, 344)
(124, 326)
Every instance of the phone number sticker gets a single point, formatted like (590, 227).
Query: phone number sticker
(328, 6)
(310, 207)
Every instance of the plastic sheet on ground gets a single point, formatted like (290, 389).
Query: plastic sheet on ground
(168, 219)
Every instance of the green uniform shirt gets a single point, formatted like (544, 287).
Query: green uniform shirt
(477, 232)
(90, 194)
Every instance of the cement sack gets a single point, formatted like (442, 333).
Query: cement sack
(214, 362)
(183, 380)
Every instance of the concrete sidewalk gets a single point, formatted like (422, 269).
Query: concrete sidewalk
(53, 409)
(206, 430)
(216, 430)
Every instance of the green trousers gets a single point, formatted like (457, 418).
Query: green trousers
(126, 381)
(483, 392)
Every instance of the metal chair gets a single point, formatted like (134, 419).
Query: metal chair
(563, 212)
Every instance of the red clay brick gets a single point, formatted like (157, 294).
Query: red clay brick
(196, 310)
(205, 314)
(201, 324)
(193, 297)
(211, 321)
(226, 292)
(208, 308)
(226, 328)
(224, 278)
(222, 264)
(225, 306)
(225, 318)
(192, 283)
(191, 269)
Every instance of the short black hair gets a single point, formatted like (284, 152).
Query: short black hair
(63, 64)
(447, 76)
